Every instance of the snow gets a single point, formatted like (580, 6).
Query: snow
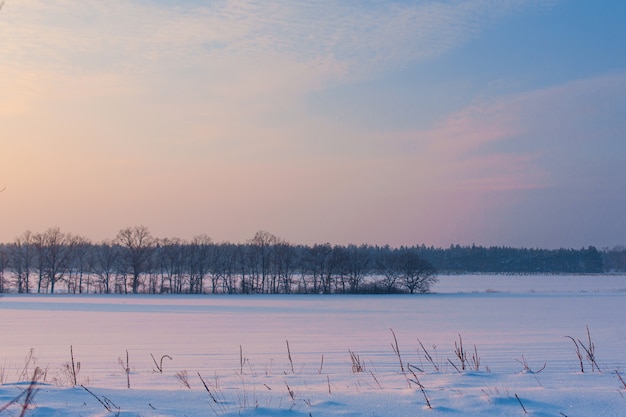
(241, 347)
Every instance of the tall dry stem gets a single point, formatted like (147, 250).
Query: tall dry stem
(28, 395)
(159, 364)
(460, 353)
(126, 368)
(357, 365)
(289, 356)
(428, 357)
(396, 349)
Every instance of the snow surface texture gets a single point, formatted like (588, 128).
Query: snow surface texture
(323, 355)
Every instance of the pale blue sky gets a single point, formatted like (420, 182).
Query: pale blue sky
(382, 122)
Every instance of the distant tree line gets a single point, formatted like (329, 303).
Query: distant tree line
(496, 259)
(137, 262)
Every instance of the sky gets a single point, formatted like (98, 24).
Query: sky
(488, 122)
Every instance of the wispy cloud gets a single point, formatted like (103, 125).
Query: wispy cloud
(552, 137)
(332, 37)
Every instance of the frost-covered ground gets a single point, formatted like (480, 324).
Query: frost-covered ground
(290, 355)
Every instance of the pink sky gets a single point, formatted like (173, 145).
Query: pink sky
(195, 120)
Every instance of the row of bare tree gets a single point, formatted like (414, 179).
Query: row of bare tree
(137, 262)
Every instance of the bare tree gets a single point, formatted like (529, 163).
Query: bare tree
(78, 247)
(388, 266)
(358, 260)
(225, 266)
(200, 254)
(285, 257)
(170, 264)
(39, 246)
(262, 245)
(4, 264)
(137, 246)
(319, 267)
(21, 263)
(417, 274)
(105, 262)
(56, 256)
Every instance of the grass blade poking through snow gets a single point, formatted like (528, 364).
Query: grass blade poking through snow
(72, 368)
(28, 394)
(396, 349)
(183, 378)
(125, 368)
(289, 356)
(520, 403)
(620, 378)
(578, 354)
(590, 351)
(460, 353)
(213, 398)
(106, 403)
(428, 357)
(159, 365)
(357, 364)
(417, 382)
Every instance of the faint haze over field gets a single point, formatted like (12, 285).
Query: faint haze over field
(383, 122)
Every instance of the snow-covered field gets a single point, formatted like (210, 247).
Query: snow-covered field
(290, 355)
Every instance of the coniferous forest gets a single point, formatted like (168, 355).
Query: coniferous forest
(137, 262)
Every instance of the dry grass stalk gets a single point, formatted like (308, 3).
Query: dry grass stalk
(620, 378)
(28, 395)
(292, 395)
(475, 359)
(454, 366)
(106, 403)
(460, 353)
(30, 360)
(520, 403)
(357, 365)
(31, 391)
(183, 378)
(289, 356)
(206, 387)
(428, 357)
(242, 360)
(125, 368)
(376, 379)
(417, 382)
(159, 365)
(214, 398)
(524, 363)
(72, 368)
(578, 354)
(590, 351)
(396, 349)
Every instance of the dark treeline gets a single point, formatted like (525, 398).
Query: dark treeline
(479, 259)
(137, 262)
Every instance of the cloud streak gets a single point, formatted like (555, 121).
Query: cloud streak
(339, 38)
